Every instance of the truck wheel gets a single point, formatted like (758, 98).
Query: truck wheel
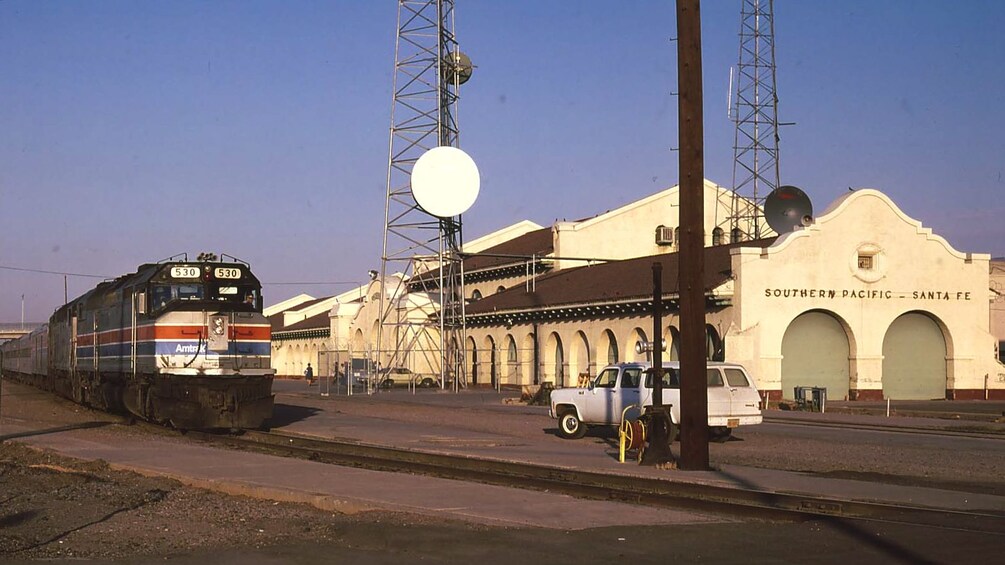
(719, 434)
(427, 383)
(570, 426)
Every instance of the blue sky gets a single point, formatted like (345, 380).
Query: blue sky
(131, 131)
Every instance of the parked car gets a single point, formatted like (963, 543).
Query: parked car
(402, 376)
(733, 399)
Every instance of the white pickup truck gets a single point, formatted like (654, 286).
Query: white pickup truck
(732, 398)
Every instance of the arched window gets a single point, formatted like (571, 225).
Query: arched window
(559, 362)
(717, 234)
(735, 235)
(511, 352)
(500, 288)
(476, 295)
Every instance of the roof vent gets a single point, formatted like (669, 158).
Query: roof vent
(664, 235)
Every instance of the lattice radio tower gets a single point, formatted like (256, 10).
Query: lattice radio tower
(428, 71)
(755, 113)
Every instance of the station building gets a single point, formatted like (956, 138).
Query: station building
(865, 301)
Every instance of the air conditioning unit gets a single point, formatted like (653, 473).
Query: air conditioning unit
(664, 235)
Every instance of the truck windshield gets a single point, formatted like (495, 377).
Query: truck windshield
(606, 379)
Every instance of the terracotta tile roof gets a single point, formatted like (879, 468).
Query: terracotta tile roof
(537, 242)
(308, 304)
(615, 281)
(276, 321)
(512, 253)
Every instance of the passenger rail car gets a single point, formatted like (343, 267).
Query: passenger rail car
(178, 342)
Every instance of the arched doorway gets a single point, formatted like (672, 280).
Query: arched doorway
(673, 350)
(607, 349)
(579, 362)
(914, 359)
(815, 353)
(512, 361)
(714, 346)
(637, 336)
(530, 364)
(554, 360)
(473, 360)
(490, 348)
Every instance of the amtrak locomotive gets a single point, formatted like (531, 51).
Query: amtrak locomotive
(182, 343)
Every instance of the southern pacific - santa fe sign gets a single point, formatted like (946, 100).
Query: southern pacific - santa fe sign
(864, 294)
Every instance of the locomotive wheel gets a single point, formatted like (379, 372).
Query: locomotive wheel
(77, 388)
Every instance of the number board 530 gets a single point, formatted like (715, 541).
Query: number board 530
(184, 272)
(227, 273)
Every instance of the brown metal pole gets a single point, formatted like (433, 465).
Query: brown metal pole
(657, 416)
(691, 271)
(658, 334)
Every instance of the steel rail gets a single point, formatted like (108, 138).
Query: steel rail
(913, 430)
(605, 486)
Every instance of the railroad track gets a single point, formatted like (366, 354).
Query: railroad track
(603, 486)
(914, 430)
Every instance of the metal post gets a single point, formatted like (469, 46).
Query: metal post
(691, 271)
(657, 417)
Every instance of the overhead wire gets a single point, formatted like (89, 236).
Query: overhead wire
(93, 276)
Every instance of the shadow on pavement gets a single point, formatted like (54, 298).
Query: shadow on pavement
(855, 528)
(285, 414)
(83, 426)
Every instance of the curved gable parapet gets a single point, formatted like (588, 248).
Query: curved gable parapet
(841, 205)
(671, 192)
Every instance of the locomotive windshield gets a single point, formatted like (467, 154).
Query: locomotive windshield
(193, 287)
(180, 295)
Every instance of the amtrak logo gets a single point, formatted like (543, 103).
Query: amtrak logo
(190, 349)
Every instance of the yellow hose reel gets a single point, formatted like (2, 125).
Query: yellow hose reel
(631, 435)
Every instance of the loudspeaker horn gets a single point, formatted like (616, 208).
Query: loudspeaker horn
(787, 207)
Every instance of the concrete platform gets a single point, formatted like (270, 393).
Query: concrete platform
(435, 422)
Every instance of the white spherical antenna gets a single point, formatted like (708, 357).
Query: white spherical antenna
(445, 181)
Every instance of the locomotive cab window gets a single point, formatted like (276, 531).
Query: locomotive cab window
(235, 294)
(164, 295)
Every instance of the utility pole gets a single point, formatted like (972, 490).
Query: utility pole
(691, 271)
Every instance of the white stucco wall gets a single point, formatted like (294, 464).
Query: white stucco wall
(817, 268)
(630, 231)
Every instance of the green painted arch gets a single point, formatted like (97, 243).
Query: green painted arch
(914, 358)
(816, 352)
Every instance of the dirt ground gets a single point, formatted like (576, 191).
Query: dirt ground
(53, 507)
(57, 509)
